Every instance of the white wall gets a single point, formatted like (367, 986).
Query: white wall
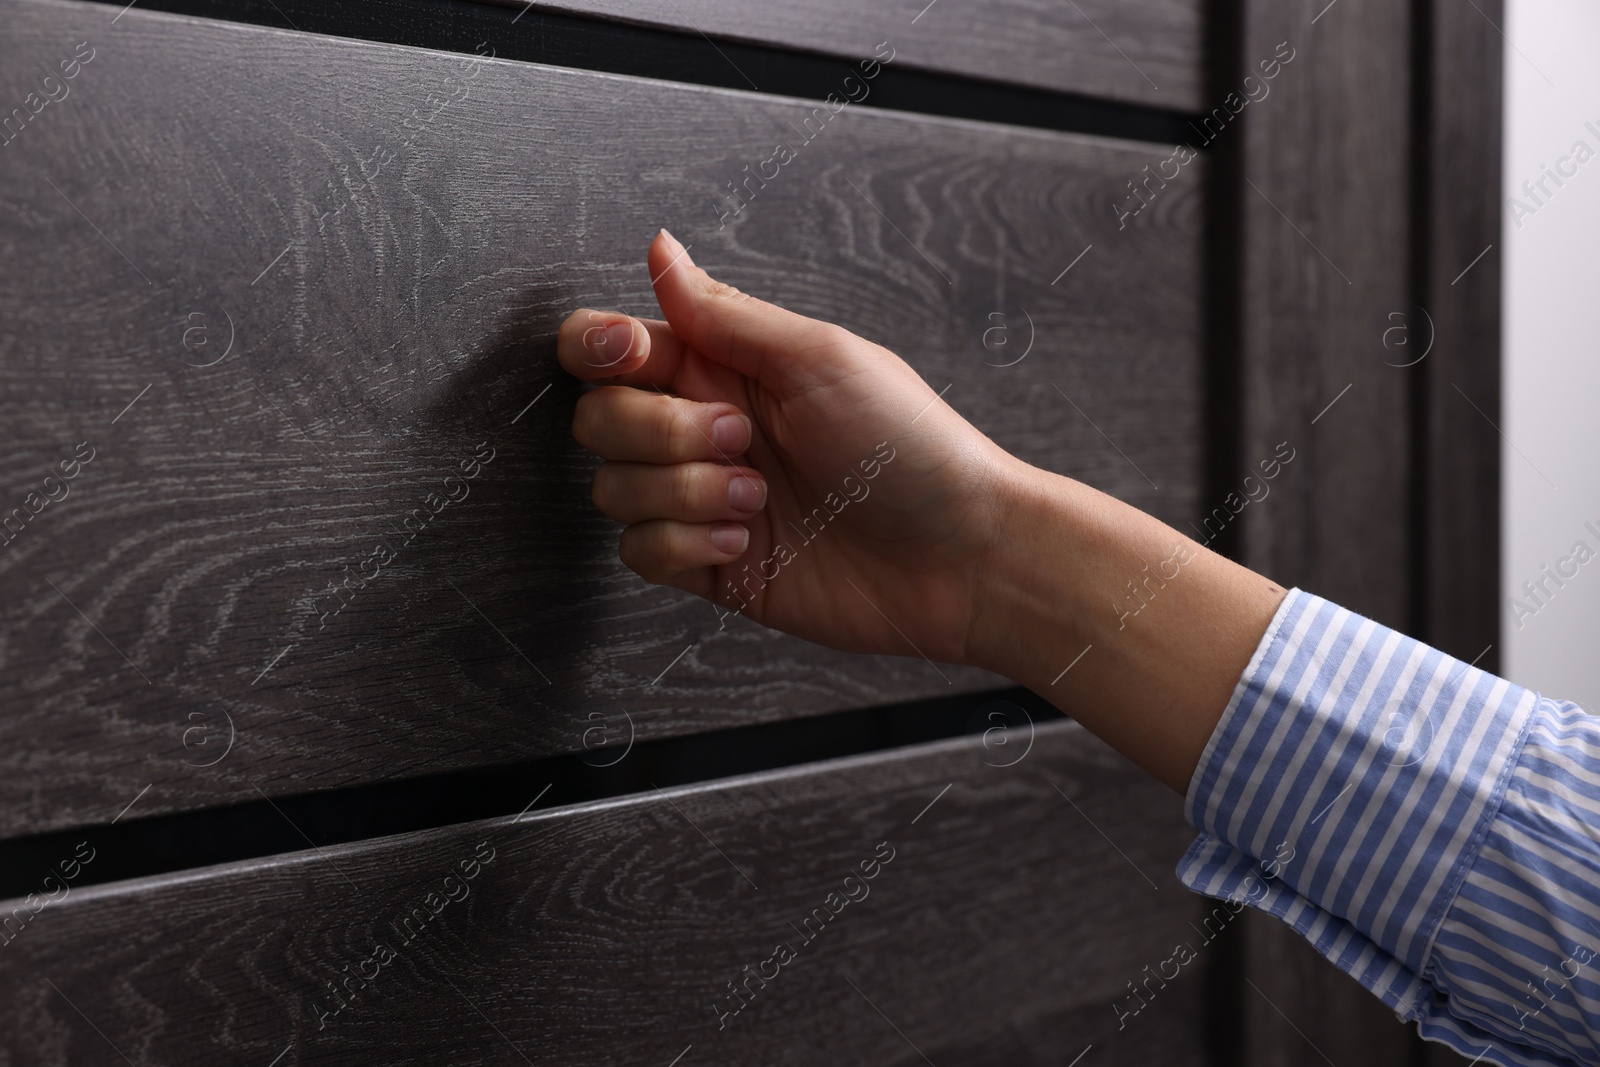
(1551, 417)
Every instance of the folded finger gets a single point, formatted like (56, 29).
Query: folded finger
(610, 347)
(619, 423)
(664, 551)
(688, 492)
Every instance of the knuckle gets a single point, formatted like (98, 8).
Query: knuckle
(641, 552)
(583, 420)
(675, 431)
(723, 291)
(832, 339)
(684, 490)
(600, 488)
(630, 551)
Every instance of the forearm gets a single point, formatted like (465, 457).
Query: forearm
(1156, 628)
(1371, 791)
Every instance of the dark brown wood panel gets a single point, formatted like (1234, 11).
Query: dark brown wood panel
(1144, 51)
(1327, 170)
(291, 305)
(1461, 292)
(1009, 913)
(1326, 260)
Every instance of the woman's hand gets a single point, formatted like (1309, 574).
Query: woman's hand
(809, 479)
(786, 468)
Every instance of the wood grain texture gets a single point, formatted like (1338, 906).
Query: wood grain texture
(385, 326)
(1326, 247)
(1143, 51)
(1012, 914)
(1326, 259)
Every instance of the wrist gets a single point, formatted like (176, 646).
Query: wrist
(1129, 626)
(1027, 605)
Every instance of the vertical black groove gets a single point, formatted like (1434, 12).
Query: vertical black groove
(1421, 518)
(1224, 412)
(1223, 402)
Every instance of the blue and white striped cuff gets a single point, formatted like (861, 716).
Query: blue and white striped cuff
(1349, 786)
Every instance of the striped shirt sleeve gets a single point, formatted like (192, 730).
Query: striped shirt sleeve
(1431, 829)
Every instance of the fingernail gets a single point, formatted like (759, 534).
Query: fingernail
(746, 493)
(680, 254)
(729, 537)
(731, 433)
(612, 344)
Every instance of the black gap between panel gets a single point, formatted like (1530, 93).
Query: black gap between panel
(1422, 379)
(1000, 721)
(593, 44)
(1226, 433)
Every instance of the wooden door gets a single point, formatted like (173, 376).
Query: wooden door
(323, 680)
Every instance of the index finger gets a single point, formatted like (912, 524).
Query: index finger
(616, 349)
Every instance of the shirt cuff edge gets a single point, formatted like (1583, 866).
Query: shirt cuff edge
(1204, 771)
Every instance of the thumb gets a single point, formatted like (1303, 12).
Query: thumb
(778, 348)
